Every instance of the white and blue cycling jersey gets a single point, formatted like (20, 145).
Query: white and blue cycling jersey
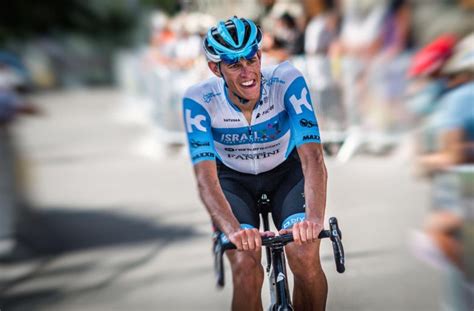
(283, 119)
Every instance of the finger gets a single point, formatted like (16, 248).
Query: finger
(309, 232)
(303, 227)
(237, 242)
(250, 239)
(315, 232)
(296, 234)
(284, 231)
(245, 243)
(258, 239)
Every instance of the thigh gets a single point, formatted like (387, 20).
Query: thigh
(242, 202)
(288, 204)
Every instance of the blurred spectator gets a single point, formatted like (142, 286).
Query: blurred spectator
(272, 10)
(322, 29)
(396, 34)
(387, 71)
(358, 43)
(188, 46)
(175, 43)
(287, 40)
(425, 70)
(10, 106)
(454, 118)
(452, 123)
(163, 38)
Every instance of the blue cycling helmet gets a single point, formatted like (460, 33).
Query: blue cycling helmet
(232, 40)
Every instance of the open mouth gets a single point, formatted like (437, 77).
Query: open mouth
(248, 83)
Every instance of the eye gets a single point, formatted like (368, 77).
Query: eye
(234, 66)
(254, 58)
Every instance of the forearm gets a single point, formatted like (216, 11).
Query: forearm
(315, 175)
(216, 204)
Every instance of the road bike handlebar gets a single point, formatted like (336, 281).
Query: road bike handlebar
(274, 241)
(334, 234)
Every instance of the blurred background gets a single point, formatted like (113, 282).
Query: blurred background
(98, 205)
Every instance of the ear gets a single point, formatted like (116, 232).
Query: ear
(214, 67)
(259, 54)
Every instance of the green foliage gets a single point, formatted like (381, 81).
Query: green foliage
(111, 20)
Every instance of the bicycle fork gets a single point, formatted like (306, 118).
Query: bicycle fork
(281, 289)
(277, 277)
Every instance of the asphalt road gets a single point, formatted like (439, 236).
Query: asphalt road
(117, 225)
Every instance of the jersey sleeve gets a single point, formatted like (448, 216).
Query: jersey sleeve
(198, 129)
(298, 104)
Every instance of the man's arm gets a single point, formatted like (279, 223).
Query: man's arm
(315, 185)
(219, 208)
(315, 180)
(454, 150)
(213, 198)
(305, 132)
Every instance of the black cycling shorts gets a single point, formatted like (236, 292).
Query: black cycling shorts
(284, 186)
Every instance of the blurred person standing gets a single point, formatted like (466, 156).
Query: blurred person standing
(162, 39)
(321, 32)
(323, 26)
(357, 45)
(278, 31)
(387, 72)
(288, 39)
(10, 194)
(452, 123)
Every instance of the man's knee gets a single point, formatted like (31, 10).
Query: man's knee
(246, 267)
(304, 261)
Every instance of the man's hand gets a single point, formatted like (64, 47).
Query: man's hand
(304, 232)
(248, 239)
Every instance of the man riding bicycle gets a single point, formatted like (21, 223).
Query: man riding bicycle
(253, 130)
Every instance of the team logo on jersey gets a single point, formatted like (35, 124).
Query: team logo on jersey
(231, 120)
(274, 80)
(254, 156)
(208, 97)
(302, 101)
(203, 155)
(271, 132)
(265, 111)
(241, 138)
(307, 123)
(311, 137)
(196, 144)
(253, 149)
(196, 122)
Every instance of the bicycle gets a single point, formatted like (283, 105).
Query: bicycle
(275, 257)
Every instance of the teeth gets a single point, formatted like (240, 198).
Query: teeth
(247, 83)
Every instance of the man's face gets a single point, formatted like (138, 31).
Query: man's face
(243, 77)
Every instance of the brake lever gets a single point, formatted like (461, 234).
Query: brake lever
(338, 248)
(218, 262)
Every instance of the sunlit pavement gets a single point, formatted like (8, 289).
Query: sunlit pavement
(113, 229)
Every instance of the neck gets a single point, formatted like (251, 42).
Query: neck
(247, 106)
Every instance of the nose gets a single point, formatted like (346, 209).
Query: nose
(244, 69)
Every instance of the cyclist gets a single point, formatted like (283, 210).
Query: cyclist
(254, 131)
